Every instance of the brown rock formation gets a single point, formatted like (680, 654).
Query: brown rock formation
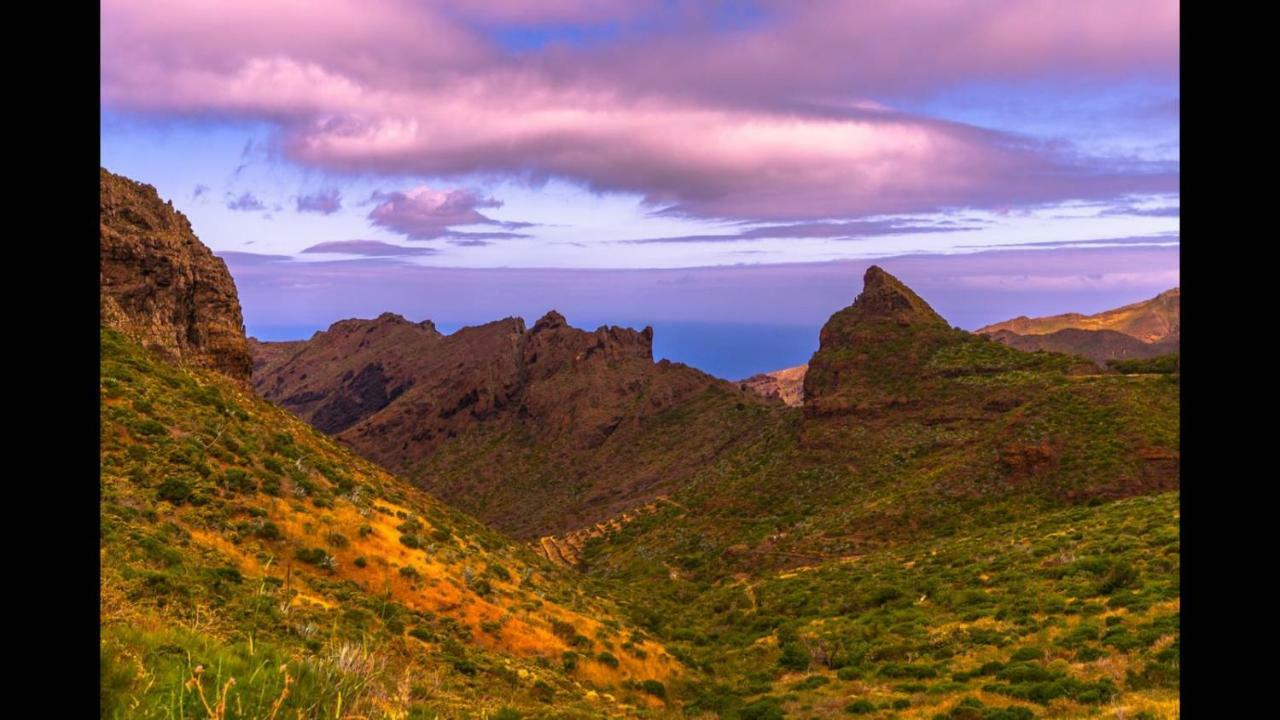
(162, 286)
(786, 385)
(571, 413)
(871, 353)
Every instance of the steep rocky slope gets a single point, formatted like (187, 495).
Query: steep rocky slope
(346, 373)
(162, 286)
(547, 428)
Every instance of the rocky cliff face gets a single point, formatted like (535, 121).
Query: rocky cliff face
(162, 286)
(346, 375)
(536, 429)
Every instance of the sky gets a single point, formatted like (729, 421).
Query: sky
(722, 171)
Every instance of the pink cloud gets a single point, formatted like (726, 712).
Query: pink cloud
(779, 121)
(426, 214)
(822, 49)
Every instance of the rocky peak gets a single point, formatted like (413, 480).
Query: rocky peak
(162, 286)
(870, 353)
(884, 295)
(550, 321)
(617, 341)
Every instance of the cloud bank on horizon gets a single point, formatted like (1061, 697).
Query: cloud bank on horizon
(368, 134)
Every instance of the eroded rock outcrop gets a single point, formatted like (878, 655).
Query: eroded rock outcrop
(871, 354)
(162, 286)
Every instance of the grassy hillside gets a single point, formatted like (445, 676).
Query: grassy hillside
(251, 568)
(986, 527)
(1069, 613)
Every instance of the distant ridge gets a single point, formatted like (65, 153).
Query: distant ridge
(1151, 321)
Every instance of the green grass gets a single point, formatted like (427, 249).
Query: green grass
(236, 539)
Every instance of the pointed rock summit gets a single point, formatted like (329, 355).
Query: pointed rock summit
(550, 321)
(884, 295)
(870, 353)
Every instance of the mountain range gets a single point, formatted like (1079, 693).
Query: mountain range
(512, 521)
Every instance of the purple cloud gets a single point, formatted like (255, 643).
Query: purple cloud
(199, 191)
(785, 120)
(246, 202)
(325, 202)
(845, 230)
(369, 248)
(1131, 210)
(1159, 239)
(426, 214)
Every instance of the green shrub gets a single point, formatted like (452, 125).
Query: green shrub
(654, 688)
(794, 657)
(860, 707)
(1027, 653)
(543, 692)
(238, 481)
(311, 556)
(811, 682)
(175, 490)
(1121, 575)
(607, 658)
(268, 530)
(766, 708)
(1013, 712)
